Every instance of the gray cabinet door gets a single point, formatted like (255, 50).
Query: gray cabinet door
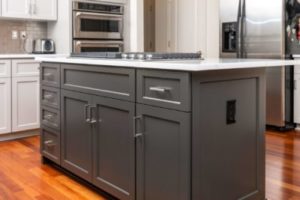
(163, 154)
(113, 142)
(76, 133)
(228, 136)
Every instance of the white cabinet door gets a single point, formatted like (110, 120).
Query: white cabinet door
(45, 9)
(5, 105)
(5, 68)
(16, 8)
(297, 99)
(25, 103)
(25, 67)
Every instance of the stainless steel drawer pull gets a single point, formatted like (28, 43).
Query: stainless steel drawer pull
(160, 89)
(48, 117)
(49, 143)
(48, 96)
(48, 75)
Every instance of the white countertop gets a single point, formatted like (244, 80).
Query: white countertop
(178, 65)
(28, 56)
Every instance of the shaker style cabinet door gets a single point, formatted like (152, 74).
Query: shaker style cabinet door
(16, 8)
(5, 105)
(25, 103)
(44, 9)
(76, 134)
(113, 162)
(163, 154)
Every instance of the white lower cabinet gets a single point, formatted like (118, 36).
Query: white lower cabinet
(5, 105)
(25, 103)
(297, 98)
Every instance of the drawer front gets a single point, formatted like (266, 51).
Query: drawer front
(50, 117)
(50, 97)
(5, 68)
(25, 67)
(111, 82)
(164, 89)
(50, 144)
(50, 74)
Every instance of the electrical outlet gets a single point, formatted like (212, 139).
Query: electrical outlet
(14, 35)
(23, 35)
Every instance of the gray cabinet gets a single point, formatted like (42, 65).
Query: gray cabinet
(76, 134)
(50, 144)
(113, 142)
(157, 134)
(114, 82)
(163, 154)
(228, 135)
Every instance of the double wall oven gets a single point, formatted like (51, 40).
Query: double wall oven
(97, 26)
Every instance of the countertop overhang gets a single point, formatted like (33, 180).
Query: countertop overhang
(177, 65)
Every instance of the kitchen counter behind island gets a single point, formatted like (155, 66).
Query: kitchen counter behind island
(148, 133)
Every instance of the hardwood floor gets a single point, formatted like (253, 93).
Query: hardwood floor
(23, 177)
(283, 166)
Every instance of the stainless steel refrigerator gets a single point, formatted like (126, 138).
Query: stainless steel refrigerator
(257, 29)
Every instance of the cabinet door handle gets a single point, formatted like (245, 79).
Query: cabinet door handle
(160, 89)
(86, 115)
(135, 134)
(93, 114)
(295, 84)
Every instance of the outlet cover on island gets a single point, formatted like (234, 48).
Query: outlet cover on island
(14, 35)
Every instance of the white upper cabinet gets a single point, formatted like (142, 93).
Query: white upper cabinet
(16, 8)
(30, 9)
(44, 9)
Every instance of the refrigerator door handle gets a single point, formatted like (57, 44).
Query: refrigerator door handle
(243, 18)
(239, 30)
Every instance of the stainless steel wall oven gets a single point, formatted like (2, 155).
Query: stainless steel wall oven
(97, 26)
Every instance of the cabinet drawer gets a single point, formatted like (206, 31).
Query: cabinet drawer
(111, 82)
(50, 144)
(25, 67)
(50, 74)
(5, 68)
(164, 89)
(50, 97)
(50, 117)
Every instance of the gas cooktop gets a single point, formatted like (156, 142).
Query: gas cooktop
(144, 56)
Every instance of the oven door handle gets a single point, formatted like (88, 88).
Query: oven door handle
(97, 15)
(79, 43)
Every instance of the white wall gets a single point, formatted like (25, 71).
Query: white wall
(197, 26)
(136, 25)
(60, 31)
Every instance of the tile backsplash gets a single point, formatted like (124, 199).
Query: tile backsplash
(33, 31)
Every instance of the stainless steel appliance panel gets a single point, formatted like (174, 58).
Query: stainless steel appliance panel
(97, 46)
(90, 25)
(263, 31)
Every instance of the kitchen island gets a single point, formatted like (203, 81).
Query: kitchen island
(160, 130)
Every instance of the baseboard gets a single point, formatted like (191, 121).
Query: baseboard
(18, 135)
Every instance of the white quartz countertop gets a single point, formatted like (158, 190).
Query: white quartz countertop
(28, 56)
(178, 65)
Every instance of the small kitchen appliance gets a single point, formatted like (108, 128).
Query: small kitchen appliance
(43, 46)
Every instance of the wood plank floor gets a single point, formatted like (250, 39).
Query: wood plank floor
(283, 166)
(23, 177)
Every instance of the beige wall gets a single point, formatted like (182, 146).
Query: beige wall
(33, 29)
